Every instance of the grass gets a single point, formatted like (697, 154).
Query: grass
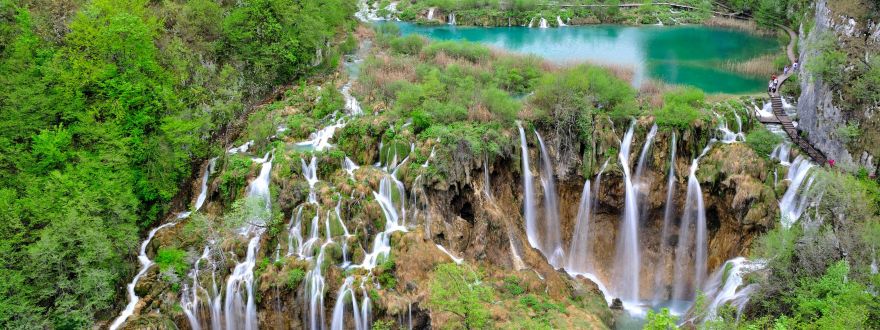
(761, 66)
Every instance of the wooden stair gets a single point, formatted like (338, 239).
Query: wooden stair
(792, 132)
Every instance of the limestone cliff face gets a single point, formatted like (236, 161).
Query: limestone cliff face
(822, 109)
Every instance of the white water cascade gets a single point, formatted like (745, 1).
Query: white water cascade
(627, 262)
(346, 296)
(543, 24)
(559, 22)
(578, 260)
(455, 259)
(320, 140)
(145, 265)
(431, 13)
(668, 216)
(352, 106)
(782, 153)
(794, 201)
(694, 214)
(528, 192)
(724, 286)
(552, 243)
(451, 18)
(239, 307)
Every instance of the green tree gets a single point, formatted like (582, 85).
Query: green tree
(457, 290)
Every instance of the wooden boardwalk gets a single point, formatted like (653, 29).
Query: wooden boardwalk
(782, 118)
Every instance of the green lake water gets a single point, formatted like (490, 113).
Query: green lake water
(684, 55)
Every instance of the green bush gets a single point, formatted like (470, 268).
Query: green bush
(762, 141)
(295, 277)
(829, 63)
(470, 51)
(660, 321)
(460, 291)
(682, 108)
(408, 45)
(172, 259)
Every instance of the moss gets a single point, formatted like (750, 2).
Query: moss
(172, 259)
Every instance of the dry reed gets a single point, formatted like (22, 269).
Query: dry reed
(761, 66)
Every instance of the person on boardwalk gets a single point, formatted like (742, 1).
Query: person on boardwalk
(794, 66)
(785, 70)
(774, 84)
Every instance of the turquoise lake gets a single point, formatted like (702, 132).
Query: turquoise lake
(685, 55)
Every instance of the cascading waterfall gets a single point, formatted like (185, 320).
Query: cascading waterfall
(349, 166)
(552, 243)
(694, 214)
(352, 107)
(455, 259)
(238, 312)
(320, 140)
(310, 172)
(543, 23)
(794, 201)
(723, 287)
(528, 192)
(431, 13)
(145, 265)
(626, 262)
(189, 297)
(782, 153)
(345, 295)
(728, 136)
(668, 216)
(451, 18)
(578, 261)
(559, 21)
(531, 22)
(315, 290)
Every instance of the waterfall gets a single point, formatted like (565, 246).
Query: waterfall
(455, 259)
(559, 22)
(531, 22)
(349, 166)
(694, 214)
(346, 292)
(315, 291)
(431, 13)
(240, 149)
(552, 244)
(640, 169)
(189, 296)
(668, 215)
(728, 136)
(145, 265)
(626, 262)
(310, 172)
(528, 192)
(352, 107)
(388, 188)
(543, 23)
(724, 285)
(451, 18)
(794, 201)
(487, 186)
(237, 311)
(320, 140)
(782, 153)
(578, 261)
(431, 155)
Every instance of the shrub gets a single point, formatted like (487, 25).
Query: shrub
(828, 64)
(469, 51)
(833, 301)
(295, 277)
(762, 141)
(459, 291)
(331, 101)
(660, 321)
(172, 259)
(682, 108)
(408, 45)
(848, 132)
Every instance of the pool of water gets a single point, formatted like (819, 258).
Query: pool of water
(686, 55)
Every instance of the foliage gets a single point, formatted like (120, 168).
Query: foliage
(829, 63)
(762, 141)
(660, 321)
(832, 301)
(682, 108)
(459, 291)
(104, 107)
(849, 132)
(295, 277)
(512, 285)
(172, 259)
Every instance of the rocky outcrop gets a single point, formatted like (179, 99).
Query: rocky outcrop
(822, 108)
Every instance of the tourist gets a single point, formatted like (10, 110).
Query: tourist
(794, 66)
(831, 162)
(785, 70)
(770, 87)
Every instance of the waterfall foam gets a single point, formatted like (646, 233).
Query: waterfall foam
(559, 22)
(726, 285)
(794, 201)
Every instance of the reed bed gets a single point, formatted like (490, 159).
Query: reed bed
(762, 66)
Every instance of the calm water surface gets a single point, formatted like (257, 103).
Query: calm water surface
(687, 55)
